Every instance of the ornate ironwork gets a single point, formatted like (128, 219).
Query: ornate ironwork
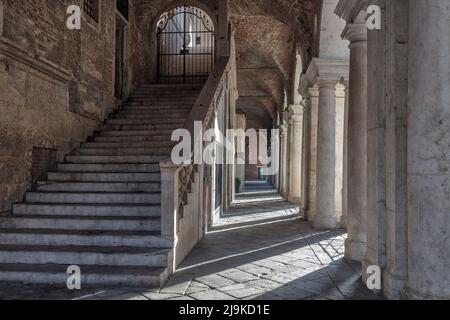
(186, 45)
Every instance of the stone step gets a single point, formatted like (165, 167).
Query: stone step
(140, 127)
(178, 86)
(128, 144)
(103, 177)
(159, 97)
(160, 103)
(137, 133)
(92, 276)
(46, 237)
(143, 121)
(131, 168)
(136, 107)
(84, 255)
(151, 116)
(166, 111)
(114, 159)
(80, 223)
(98, 187)
(169, 90)
(87, 210)
(122, 151)
(161, 140)
(92, 197)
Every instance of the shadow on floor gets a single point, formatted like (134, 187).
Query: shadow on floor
(258, 204)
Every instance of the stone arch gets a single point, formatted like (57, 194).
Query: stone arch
(186, 3)
(152, 23)
(328, 42)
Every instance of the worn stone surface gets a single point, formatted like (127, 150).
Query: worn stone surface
(281, 260)
(56, 84)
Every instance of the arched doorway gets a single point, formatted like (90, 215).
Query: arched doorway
(186, 45)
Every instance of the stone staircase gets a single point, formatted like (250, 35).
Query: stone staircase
(100, 209)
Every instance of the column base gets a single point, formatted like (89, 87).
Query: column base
(310, 213)
(295, 200)
(365, 265)
(325, 223)
(355, 250)
(344, 222)
(411, 294)
(393, 286)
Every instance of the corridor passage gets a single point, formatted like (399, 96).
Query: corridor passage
(263, 250)
(258, 203)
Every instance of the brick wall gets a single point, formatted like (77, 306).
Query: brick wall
(56, 85)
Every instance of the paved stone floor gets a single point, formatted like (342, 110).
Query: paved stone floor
(249, 257)
(259, 203)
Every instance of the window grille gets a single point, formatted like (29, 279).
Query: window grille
(91, 8)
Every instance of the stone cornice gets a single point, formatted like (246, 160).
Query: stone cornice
(355, 32)
(325, 70)
(16, 52)
(349, 10)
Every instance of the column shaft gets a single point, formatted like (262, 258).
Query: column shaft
(355, 246)
(428, 163)
(284, 161)
(325, 217)
(313, 124)
(296, 125)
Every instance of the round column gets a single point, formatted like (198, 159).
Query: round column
(325, 217)
(283, 164)
(356, 220)
(295, 190)
(428, 161)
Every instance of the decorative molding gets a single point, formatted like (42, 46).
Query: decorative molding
(336, 70)
(350, 10)
(355, 32)
(296, 110)
(20, 54)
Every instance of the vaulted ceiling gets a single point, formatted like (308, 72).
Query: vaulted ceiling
(267, 35)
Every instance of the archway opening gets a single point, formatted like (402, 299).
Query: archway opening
(186, 43)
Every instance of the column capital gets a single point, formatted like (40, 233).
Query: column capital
(341, 90)
(356, 33)
(296, 109)
(327, 83)
(284, 130)
(321, 69)
(313, 91)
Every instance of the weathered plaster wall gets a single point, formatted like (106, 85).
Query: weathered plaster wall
(56, 84)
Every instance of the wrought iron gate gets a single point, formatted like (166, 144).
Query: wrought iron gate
(186, 46)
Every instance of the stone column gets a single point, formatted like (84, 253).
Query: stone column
(240, 146)
(286, 187)
(283, 162)
(428, 162)
(325, 216)
(339, 153)
(345, 162)
(355, 246)
(313, 122)
(296, 145)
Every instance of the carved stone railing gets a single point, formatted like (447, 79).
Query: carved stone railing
(203, 111)
(176, 179)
